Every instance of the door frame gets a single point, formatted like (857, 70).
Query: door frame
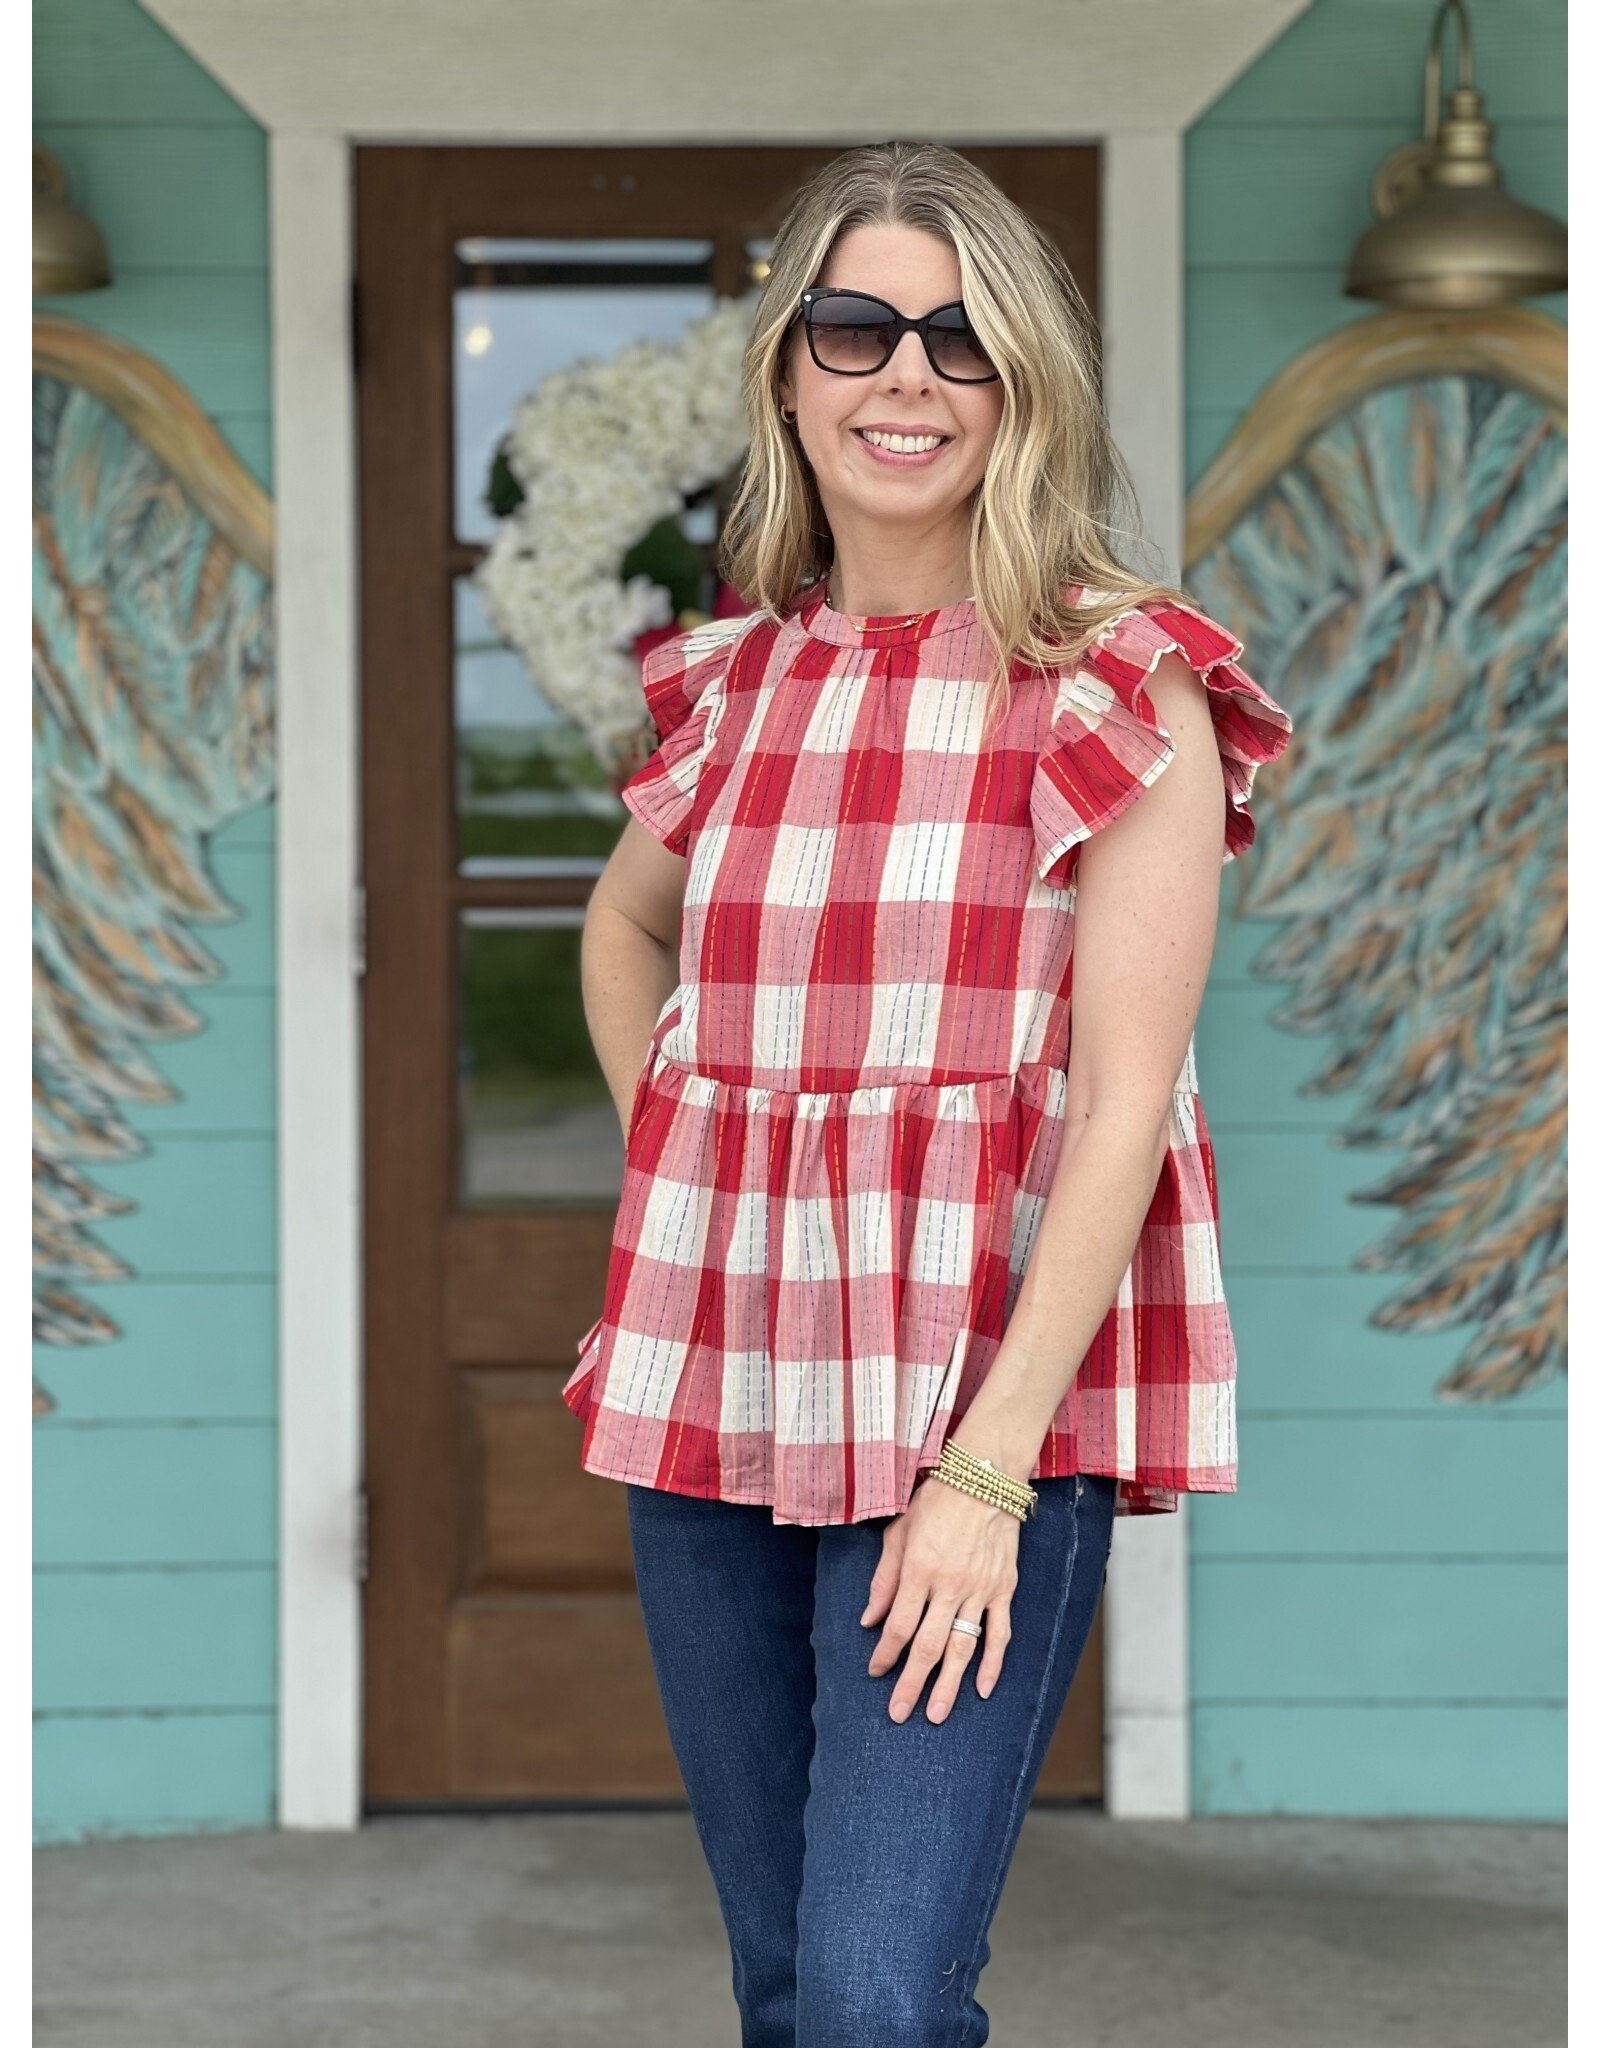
(318, 961)
(483, 1640)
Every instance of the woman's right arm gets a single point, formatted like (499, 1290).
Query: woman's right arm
(629, 956)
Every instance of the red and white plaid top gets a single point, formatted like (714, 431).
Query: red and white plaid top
(851, 1109)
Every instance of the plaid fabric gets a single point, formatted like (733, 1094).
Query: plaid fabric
(851, 1109)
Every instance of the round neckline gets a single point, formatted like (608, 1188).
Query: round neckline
(880, 629)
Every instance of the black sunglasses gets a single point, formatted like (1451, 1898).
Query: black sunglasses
(854, 334)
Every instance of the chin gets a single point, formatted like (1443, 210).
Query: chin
(922, 504)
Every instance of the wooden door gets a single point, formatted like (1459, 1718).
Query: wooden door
(505, 1655)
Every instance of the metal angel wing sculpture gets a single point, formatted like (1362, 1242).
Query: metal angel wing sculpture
(1387, 532)
(152, 727)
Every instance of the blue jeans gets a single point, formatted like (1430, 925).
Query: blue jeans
(857, 1860)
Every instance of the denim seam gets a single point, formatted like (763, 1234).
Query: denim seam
(1013, 1823)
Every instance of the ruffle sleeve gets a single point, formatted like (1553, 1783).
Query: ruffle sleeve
(1107, 742)
(682, 679)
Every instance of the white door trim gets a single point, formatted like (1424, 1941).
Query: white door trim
(318, 1011)
(1146, 1625)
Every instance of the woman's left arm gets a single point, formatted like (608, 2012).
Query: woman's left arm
(1149, 888)
(1148, 891)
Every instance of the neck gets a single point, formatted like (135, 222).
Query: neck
(896, 577)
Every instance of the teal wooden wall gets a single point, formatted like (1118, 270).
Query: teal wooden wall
(155, 1477)
(1378, 1614)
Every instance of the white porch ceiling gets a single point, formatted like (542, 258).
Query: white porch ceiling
(725, 70)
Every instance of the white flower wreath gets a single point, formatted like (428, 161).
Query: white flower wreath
(603, 451)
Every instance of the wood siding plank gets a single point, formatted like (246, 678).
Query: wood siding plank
(148, 1641)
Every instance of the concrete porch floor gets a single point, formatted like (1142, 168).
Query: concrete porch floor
(601, 1930)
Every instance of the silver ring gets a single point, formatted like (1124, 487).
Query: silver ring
(968, 1628)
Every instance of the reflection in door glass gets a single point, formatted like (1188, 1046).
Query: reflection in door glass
(530, 797)
(536, 1122)
(525, 308)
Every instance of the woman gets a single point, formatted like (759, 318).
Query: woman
(903, 1307)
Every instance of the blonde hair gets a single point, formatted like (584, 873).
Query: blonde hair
(1043, 516)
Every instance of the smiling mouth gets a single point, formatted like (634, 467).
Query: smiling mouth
(902, 450)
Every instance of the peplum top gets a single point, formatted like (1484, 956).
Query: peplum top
(851, 1108)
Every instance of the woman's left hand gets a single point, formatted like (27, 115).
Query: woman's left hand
(953, 1554)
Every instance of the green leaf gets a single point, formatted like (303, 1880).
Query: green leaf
(504, 493)
(668, 557)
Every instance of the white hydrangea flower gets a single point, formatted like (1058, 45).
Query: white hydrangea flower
(602, 451)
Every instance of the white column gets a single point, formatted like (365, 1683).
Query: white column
(318, 1016)
(1141, 307)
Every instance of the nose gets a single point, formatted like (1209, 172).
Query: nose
(911, 370)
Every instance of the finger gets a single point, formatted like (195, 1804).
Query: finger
(926, 1649)
(900, 1626)
(996, 1635)
(886, 1577)
(959, 1653)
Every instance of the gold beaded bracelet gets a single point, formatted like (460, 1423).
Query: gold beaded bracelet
(982, 1478)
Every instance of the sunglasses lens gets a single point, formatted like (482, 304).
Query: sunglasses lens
(956, 350)
(850, 333)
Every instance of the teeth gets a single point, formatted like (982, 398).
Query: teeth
(902, 444)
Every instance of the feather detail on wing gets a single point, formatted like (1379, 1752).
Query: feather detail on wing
(152, 728)
(1403, 587)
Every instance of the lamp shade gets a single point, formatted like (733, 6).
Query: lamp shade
(69, 251)
(1460, 248)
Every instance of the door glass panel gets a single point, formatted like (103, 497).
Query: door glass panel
(536, 1123)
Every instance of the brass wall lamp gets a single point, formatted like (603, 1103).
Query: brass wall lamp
(1446, 235)
(69, 251)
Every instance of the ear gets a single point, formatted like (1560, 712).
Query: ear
(786, 361)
